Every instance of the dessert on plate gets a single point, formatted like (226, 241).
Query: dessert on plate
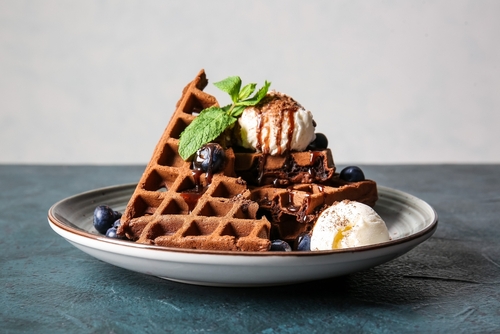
(239, 177)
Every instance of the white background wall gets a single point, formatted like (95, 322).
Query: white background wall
(388, 81)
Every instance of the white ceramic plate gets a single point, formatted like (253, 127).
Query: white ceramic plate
(410, 221)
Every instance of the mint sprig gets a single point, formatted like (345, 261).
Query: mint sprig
(213, 121)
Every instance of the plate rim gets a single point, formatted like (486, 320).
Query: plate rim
(62, 223)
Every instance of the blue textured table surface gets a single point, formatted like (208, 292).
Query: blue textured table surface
(449, 283)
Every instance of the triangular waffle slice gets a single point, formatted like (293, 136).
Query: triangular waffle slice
(172, 206)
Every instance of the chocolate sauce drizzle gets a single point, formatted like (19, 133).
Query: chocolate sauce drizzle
(287, 108)
(272, 113)
(193, 195)
(291, 207)
(300, 211)
(313, 161)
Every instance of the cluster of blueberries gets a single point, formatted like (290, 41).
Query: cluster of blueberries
(106, 221)
(302, 243)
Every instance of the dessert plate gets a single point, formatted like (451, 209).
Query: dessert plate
(409, 219)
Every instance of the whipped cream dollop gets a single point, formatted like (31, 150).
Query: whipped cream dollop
(348, 224)
(278, 124)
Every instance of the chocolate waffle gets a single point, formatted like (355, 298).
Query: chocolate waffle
(293, 210)
(174, 206)
(259, 169)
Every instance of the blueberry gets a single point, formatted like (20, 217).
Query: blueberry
(209, 158)
(319, 143)
(104, 217)
(352, 174)
(111, 233)
(117, 223)
(280, 245)
(303, 242)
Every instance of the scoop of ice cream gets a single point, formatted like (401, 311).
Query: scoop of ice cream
(276, 125)
(348, 224)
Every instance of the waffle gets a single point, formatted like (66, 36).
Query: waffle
(294, 168)
(293, 210)
(174, 206)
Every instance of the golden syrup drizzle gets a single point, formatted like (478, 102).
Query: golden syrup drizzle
(341, 233)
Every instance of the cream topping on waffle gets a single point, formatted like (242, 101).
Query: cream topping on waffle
(277, 125)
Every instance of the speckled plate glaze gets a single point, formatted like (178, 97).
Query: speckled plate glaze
(409, 219)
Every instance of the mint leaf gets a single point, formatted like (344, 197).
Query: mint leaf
(209, 124)
(227, 108)
(261, 93)
(237, 111)
(246, 91)
(231, 86)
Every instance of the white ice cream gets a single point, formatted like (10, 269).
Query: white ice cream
(348, 224)
(276, 125)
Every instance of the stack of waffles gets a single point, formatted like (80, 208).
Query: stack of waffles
(255, 198)
(172, 206)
